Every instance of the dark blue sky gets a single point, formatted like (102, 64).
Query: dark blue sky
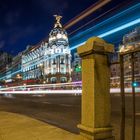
(26, 22)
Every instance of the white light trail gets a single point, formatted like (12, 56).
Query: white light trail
(112, 90)
(42, 85)
(120, 28)
(43, 92)
(127, 90)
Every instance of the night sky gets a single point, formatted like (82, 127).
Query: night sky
(26, 22)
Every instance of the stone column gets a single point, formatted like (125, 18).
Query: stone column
(96, 105)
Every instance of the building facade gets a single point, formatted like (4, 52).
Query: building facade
(32, 58)
(58, 64)
(130, 41)
(5, 59)
(48, 61)
(16, 73)
(12, 71)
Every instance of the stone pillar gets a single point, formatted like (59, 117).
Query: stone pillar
(96, 105)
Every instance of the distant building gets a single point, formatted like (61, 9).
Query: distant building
(130, 41)
(16, 68)
(132, 38)
(48, 62)
(13, 72)
(8, 75)
(32, 58)
(5, 59)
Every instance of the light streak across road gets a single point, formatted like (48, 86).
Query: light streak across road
(59, 88)
(43, 92)
(112, 90)
(42, 85)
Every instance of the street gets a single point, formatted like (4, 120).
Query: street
(64, 110)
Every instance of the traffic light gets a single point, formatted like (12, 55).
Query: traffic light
(77, 68)
(135, 84)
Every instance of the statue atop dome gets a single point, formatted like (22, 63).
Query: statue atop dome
(58, 18)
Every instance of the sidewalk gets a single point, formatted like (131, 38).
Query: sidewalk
(18, 127)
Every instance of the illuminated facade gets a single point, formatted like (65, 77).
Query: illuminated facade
(5, 60)
(130, 41)
(50, 61)
(16, 67)
(31, 61)
(58, 64)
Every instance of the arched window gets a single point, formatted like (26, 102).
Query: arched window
(62, 60)
(53, 80)
(63, 79)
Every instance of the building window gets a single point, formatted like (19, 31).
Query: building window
(62, 61)
(63, 79)
(61, 50)
(54, 61)
(63, 70)
(54, 70)
(53, 80)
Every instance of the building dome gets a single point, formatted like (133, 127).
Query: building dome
(58, 35)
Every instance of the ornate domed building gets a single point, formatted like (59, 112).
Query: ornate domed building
(58, 64)
(49, 61)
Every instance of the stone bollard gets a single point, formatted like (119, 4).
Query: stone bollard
(96, 105)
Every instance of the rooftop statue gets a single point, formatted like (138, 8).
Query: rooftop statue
(58, 18)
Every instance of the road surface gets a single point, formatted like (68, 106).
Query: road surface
(64, 110)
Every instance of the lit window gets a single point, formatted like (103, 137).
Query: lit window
(59, 36)
(64, 36)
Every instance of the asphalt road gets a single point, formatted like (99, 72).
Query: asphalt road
(64, 111)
